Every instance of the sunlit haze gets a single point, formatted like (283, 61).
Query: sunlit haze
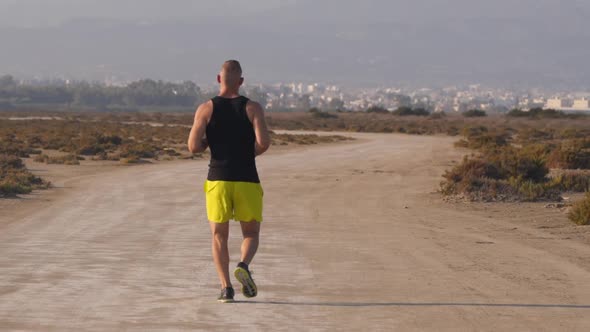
(540, 43)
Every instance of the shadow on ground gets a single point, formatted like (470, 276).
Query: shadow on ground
(418, 304)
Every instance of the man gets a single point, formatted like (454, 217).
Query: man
(236, 133)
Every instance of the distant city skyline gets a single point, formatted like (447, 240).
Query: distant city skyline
(526, 43)
(289, 96)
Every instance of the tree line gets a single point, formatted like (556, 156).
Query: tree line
(135, 95)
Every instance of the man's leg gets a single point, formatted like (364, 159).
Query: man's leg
(251, 232)
(248, 209)
(220, 235)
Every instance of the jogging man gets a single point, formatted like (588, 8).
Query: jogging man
(236, 133)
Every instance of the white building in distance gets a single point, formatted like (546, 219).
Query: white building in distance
(554, 103)
(581, 104)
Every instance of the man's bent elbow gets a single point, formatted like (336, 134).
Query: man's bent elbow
(261, 148)
(193, 148)
(198, 149)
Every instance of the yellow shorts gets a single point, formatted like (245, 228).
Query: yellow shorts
(241, 201)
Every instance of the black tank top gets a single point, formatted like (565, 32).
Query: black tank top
(231, 139)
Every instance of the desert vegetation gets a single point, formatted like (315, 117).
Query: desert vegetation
(474, 113)
(15, 178)
(526, 164)
(126, 138)
(580, 212)
(541, 113)
(519, 156)
(108, 139)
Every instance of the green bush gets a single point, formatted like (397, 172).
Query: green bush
(9, 187)
(474, 113)
(408, 111)
(580, 212)
(537, 113)
(377, 109)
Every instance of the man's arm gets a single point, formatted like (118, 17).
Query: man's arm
(256, 114)
(196, 140)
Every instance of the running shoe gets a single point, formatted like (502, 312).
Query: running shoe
(245, 278)
(227, 295)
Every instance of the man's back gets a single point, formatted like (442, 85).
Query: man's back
(231, 138)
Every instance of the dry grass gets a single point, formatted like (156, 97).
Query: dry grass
(513, 164)
(70, 159)
(512, 160)
(580, 212)
(128, 137)
(306, 139)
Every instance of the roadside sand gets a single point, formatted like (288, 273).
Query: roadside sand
(354, 239)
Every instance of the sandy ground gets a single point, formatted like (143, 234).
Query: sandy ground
(354, 238)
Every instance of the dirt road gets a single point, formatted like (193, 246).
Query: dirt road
(354, 239)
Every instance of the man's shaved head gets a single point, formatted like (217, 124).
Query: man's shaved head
(231, 73)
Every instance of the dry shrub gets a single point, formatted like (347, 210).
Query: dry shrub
(8, 162)
(437, 115)
(305, 139)
(16, 179)
(571, 154)
(170, 152)
(531, 135)
(11, 145)
(531, 191)
(480, 137)
(70, 159)
(573, 133)
(519, 163)
(580, 212)
(573, 181)
(503, 174)
(130, 160)
(138, 150)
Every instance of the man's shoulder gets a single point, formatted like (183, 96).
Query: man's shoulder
(204, 110)
(253, 106)
(206, 106)
(208, 103)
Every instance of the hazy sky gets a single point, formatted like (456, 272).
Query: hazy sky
(44, 12)
(31, 13)
(544, 42)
